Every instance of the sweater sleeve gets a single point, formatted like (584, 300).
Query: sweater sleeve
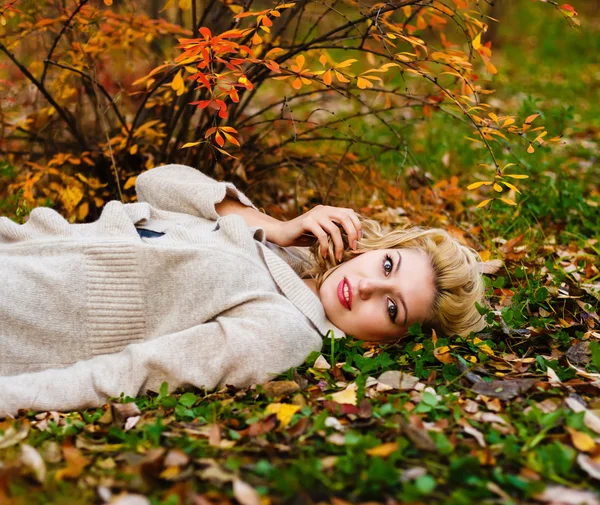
(179, 188)
(228, 350)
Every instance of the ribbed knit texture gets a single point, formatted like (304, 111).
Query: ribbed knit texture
(89, 311)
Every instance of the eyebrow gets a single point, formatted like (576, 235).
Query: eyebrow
(400, 297)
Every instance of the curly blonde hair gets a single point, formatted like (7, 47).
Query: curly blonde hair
(456, 267)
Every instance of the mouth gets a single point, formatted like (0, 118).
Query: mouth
(344, 292)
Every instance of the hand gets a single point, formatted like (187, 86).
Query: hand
(317, 224)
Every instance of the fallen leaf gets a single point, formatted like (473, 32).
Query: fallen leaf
(560, 495)
(76, 462)
(280, 388)
(474, 432)
(591, 420)
(283, 411)
(244, 493)
(31, 458)
(504, 389)
(582, 441)
(130, 499)
(321, 363)
(579, 354)
(418, 436)
(347, 395)
(12, 436)
(401, 381)
(383, 450)
(589, 465)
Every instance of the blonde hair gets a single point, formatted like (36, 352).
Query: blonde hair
(456, 267)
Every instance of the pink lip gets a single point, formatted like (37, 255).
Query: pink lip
(340, 293)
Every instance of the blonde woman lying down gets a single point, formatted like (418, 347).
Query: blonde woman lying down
(194, 286)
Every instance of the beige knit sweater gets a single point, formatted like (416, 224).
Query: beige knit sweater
(89, 311)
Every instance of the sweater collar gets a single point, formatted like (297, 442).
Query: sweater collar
(298, 292)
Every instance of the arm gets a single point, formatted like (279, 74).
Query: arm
(179, 188)
(239, 350)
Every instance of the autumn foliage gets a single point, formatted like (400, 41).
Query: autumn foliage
(95, 93)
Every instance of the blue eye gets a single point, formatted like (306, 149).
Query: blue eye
(388, 264)
(392, 309)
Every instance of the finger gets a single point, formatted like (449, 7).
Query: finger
(357, 223)
(321, 235)
(351, 231)
(336, 236)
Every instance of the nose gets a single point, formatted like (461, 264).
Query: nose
(369, 287)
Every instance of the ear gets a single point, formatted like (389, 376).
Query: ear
(490, 267)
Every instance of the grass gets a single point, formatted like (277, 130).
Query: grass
(438, 441)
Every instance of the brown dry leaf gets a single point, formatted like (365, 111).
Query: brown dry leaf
(244, 493)
(280, 388)
(579, 354)
(582, 441)
(475, 433)
(76, 462)
(490, 267)
(589, 465)
(321, 363)
(214, 435)
(176, 457)
(383, 450)
(418, 436)
(504, 389)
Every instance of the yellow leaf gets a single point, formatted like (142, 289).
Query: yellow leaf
(582, 441)
(417, 347)
(383, 450)
(509, 185)
(178, 84)
(476, 185)
(494, 117)
(82, 211)
(509, 165)
(530, 149)
(345, 63)
(185, 5)
(477, 41)
(133, 149)
(407, 10)
(323, 59)
(190, 144)
(516, 176)
(497, 187)
(443, 354)
(434, 338)
(484, 203)
(283, 411)
(348, 395)
(483, 347)
(130, 182)
(340, 77)
(363, 83)
(300, 60)
(508, 121)
(170, 472)
(508, 201)
(540, 136)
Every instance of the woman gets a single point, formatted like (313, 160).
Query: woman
(193, 286)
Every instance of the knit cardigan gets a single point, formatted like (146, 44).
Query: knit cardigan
(90, 311)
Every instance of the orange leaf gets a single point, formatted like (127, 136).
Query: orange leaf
(443, 354)
(530, 119)
(231, 139)
(363, 83)
(108, 2)
(327, 77)
(300, 60)
(340, 77)
(297, 84)
(383, 450)
(76, 462)
(530, 149)
(323, 59)
(219, 139)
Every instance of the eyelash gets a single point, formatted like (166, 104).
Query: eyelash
(392, 308)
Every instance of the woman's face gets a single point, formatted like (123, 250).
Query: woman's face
(377, 295)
